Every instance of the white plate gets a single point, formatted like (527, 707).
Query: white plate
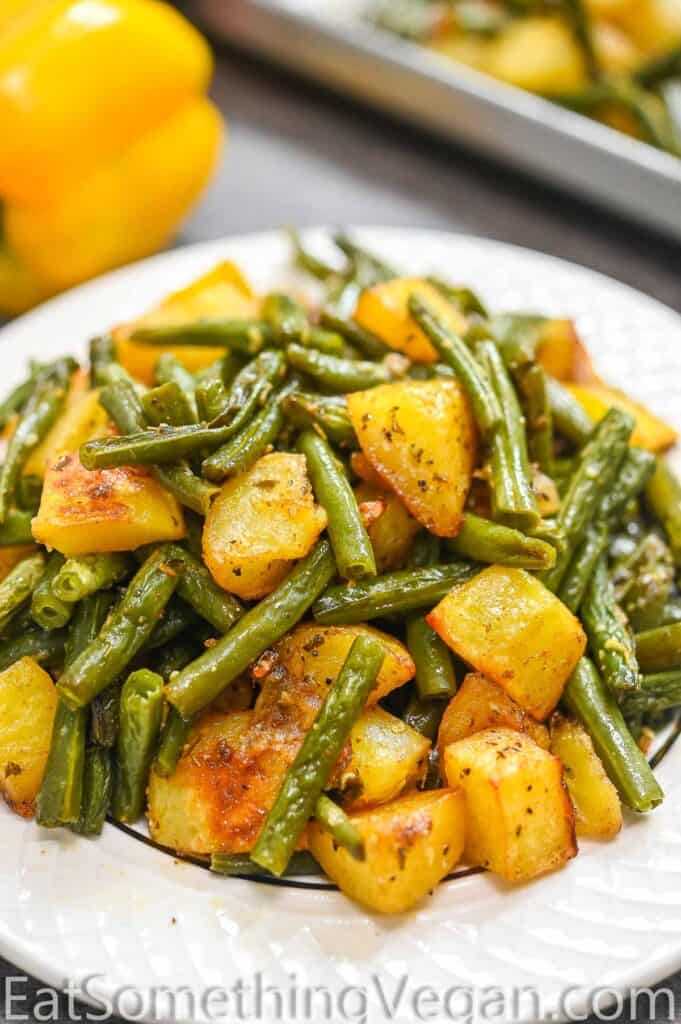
(114, 908)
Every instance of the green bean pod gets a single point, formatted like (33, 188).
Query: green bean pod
(203, 679)
(105, 716)
(635, 471)
(81, 576)
(18, 585)
(663, 494)
(610, 640)
(102, 352)
(349, 539)
(424, 716)
(595, 706)
(44, 646)
(335, 373)
(539, 417)
(321, 412)
(463, 298)
(366, 266)
(176, 618)
(657, 693)
(16, 528)
(335, 821)
(435, 678)
(251, 389)
(483, 540)
(47, 610)
(393, 593)
(197, 587)
(168, 370)
(308, 775)
(61, 790)
(644, 581)
(87, 620)
(245, 336)
(14, 402)
(97, 790)
(174, 735)
(240, 864)
(364, 341)
(167, 404)
(659, 650)
(141, 712)
(581, 568)
(212, 392)
(28, 495)
(569, 418)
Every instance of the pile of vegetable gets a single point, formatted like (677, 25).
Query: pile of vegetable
(618, 61)
(367, 585)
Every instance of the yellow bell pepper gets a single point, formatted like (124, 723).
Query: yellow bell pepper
(107, 137)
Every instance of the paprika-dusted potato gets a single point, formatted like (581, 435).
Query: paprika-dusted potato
(387, 757)
(85, 511)
(507, 625)
(317, 653)
(28, 699)
(649, 432)
(481, 704)
(83, 419)
(223, 292)
(519, 817)
(421, 438)
(411, 844)
(598, 811)
(392, 532)
(383, 309)
(259, 523)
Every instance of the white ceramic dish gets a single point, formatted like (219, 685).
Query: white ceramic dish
(133, 916)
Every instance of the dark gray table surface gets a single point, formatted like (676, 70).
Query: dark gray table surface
(296, 155)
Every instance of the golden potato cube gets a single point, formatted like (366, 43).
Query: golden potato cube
(383, 309)
(420, 437)
(84, 511)
(393, 532)
(540, 54)
(259, 523)
(598, 811)
(387, 757)
(507, 625)
(411, 844)
(519, 817)
(82, 419)
(649, 431)
(480, 704)
(316, 654)
(223, 291)
(28, 700)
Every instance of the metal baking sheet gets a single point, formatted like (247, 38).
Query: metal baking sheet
(331, 41)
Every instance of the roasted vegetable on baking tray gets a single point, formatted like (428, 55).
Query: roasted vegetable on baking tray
(368, 587)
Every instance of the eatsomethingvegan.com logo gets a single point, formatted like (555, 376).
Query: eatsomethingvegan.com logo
(398, 999)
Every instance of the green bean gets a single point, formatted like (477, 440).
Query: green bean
(366, 266)
(663, 494)
(308, 775)
(18, 585)
(425, 551)
(596, 470)
(349, 539)
(189, 489)
(141, 711)
(364, 341)
(16, 528)
(463, 298)
(644, 581)
(569, 418)
(334, 373)
(14, 402)
(193, 540)
(246, 336)
(120, 398)
(424, 716)
(594, 705)
(251, 389)
(485, 541)
(180, 652)
(304, 259)
(124, 633)
(28, 495)
(212, 393)
(333, 819)
(86, 623)
(583, 29)
(656, 694)
(167, 404)
(105, 716)
(176, 618)
(44, 646)
(435, 678)
(174, 736)
(394, 593)
(663, 65)
(326, 412)
(635, 471)
(609, 638)
(152, 447)
(203, 679)
(46, 608)
(61, 790)
(539, 418)
(86, 574)
(197, 587)
(581, 568)
(659, 649)
(102, 353)
(97, 789)
(42, 409)
(301, 863)
(169, 369)
(455, 353)
(289, 323)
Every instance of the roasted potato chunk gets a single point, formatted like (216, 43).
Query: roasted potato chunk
(259, 523)
(598, 812)
(82, 419)
(519, 817)
(223, 291)
(316, 654)
(420, 437)
(507, 625)
(649, 432)
(392, 532)
(411, 845)
(540, 54)
(480, 704)
(28, 699)
(384, 310)
(387, 757)
(82, 511)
